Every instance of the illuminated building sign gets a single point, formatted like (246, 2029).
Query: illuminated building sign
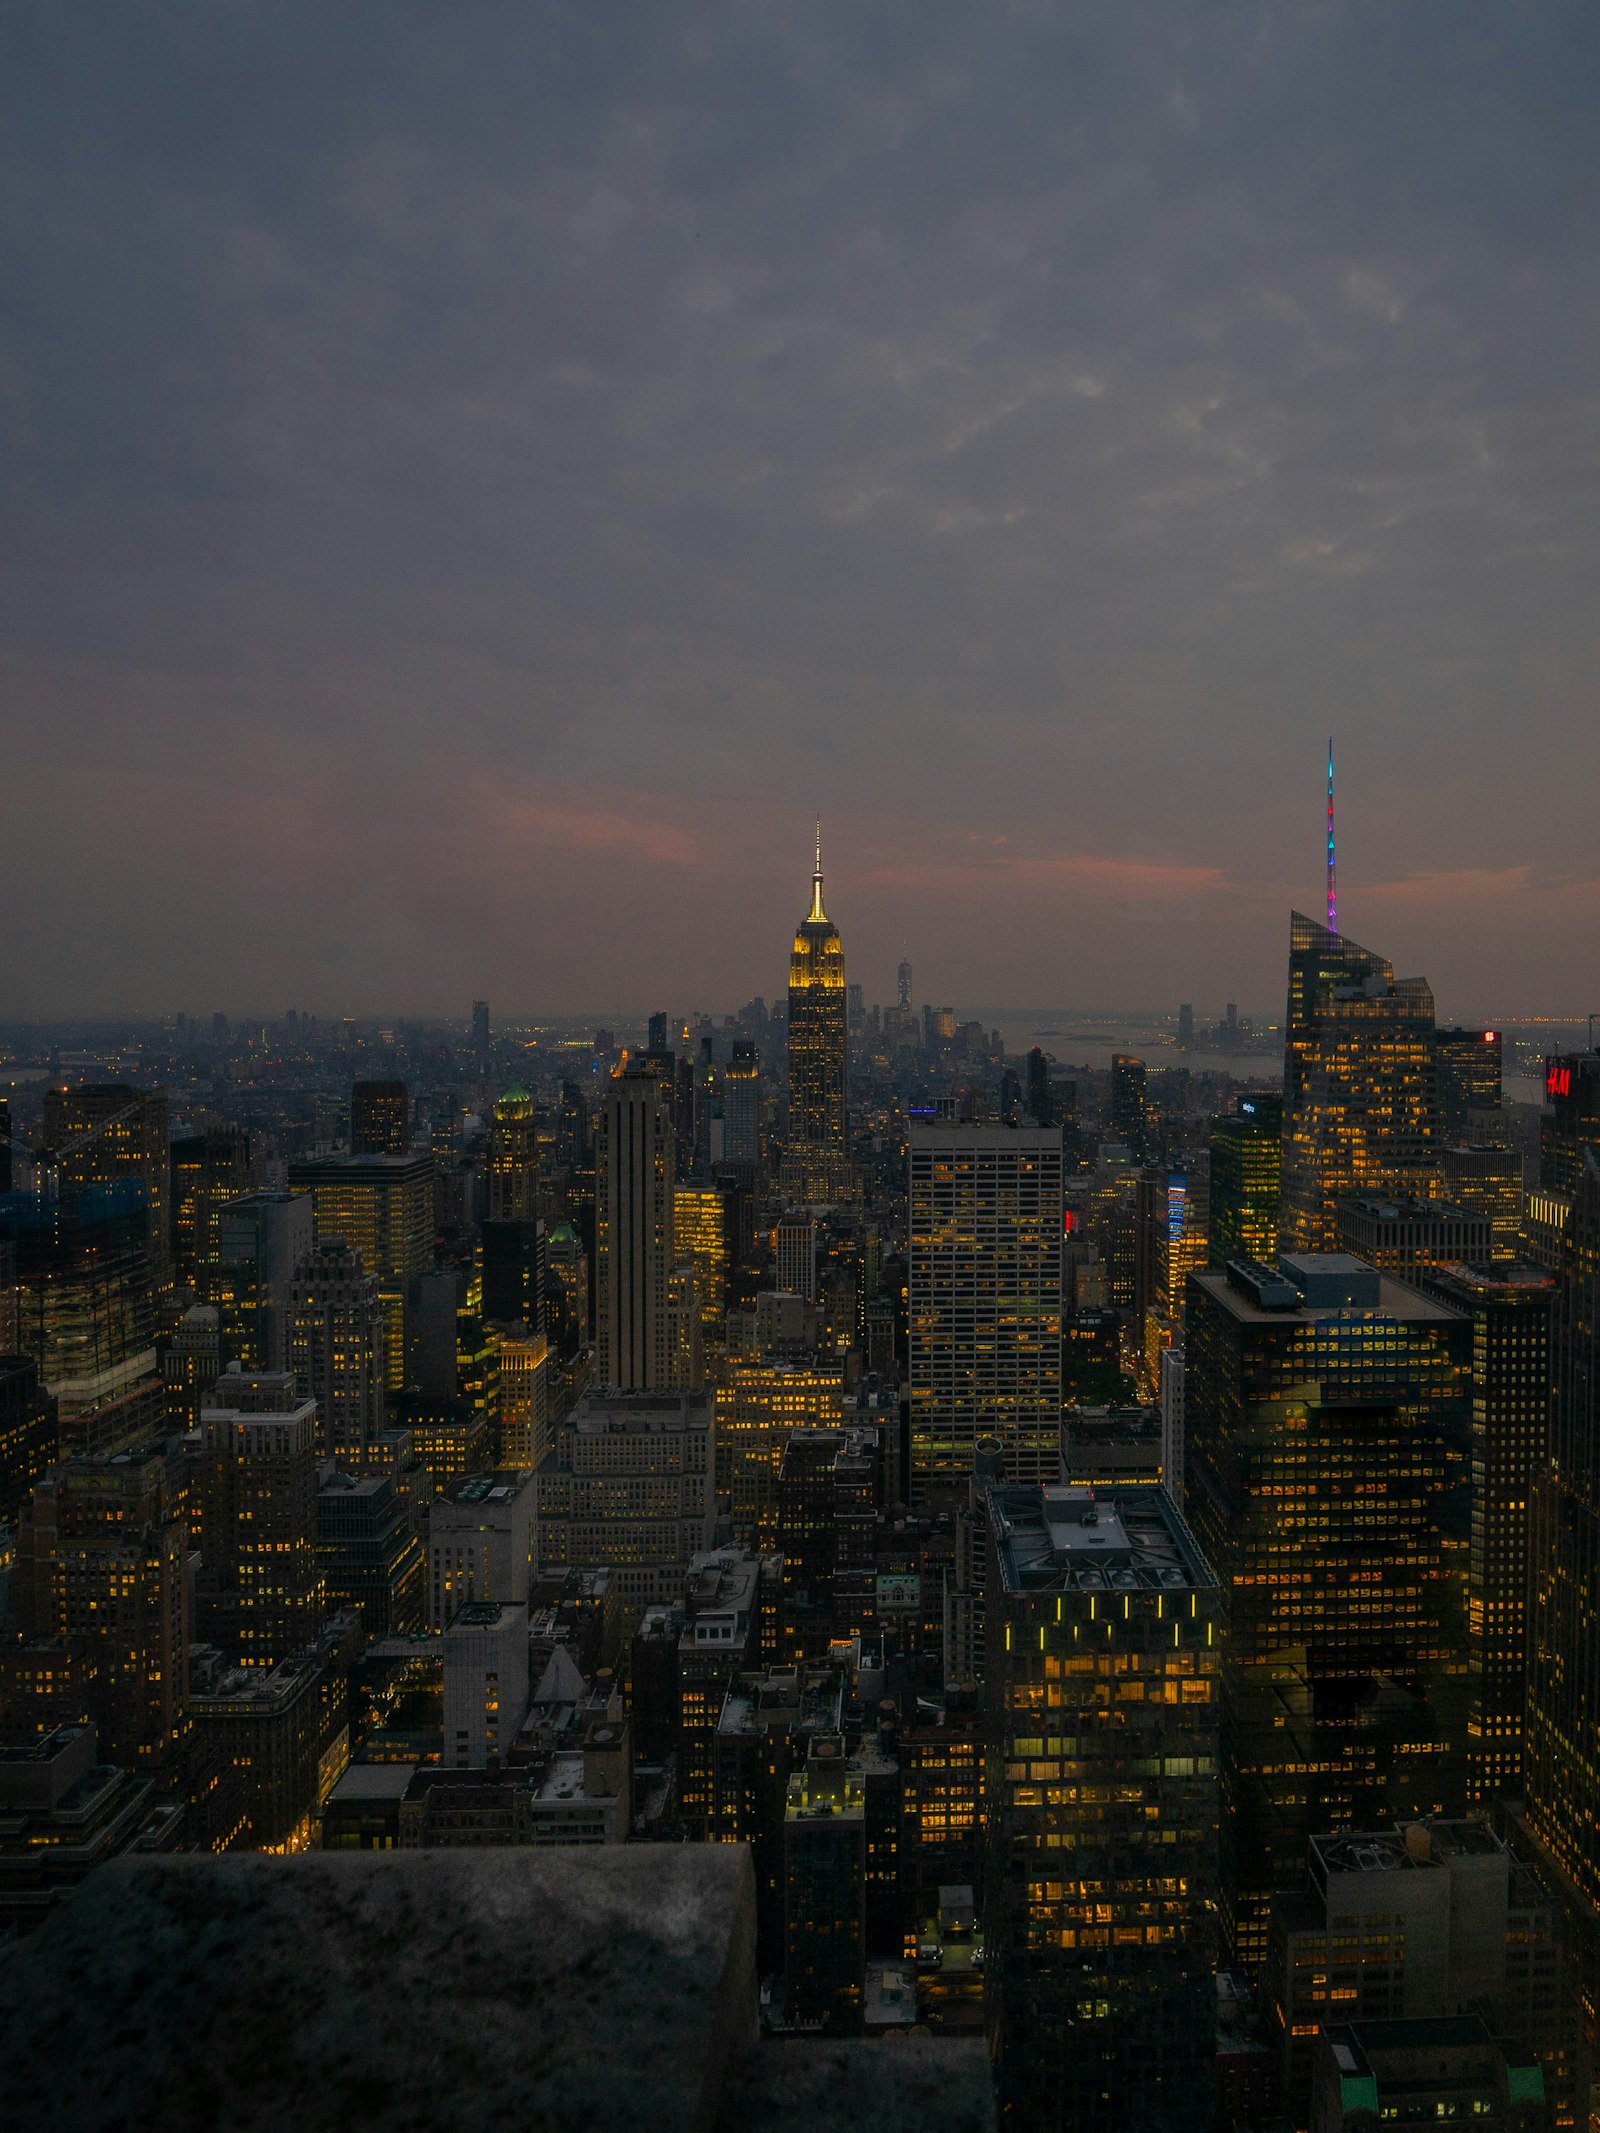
(1557, 1079)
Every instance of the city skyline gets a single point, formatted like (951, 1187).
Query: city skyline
(602, 446)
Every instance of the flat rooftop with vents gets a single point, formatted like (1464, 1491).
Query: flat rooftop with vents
(1079, 1538)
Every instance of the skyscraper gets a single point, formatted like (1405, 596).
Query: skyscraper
(985, 1299)
(261, 1586)
(85, 1308)
(208, 1170)
(380, 1118)
(336, 1349)
(382, 1206)
(100, 1561)
(1041, 1100)
(260, 1240)
(1358, 1084)
(815, 1155)
(1509, 1308)
(106, 1133)
(1569, 1125)
(514, 1158)
(1101, 1723)
(741, 1105)
(1130, 1113)
(1246, 1178)
(480, 1038)
(1326, 1431)
(1561, 1769)
(1467, 1086)
(27, 1432)
(634, 1255)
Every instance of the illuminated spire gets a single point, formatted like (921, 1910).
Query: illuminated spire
(1333, 892)
(816, 910)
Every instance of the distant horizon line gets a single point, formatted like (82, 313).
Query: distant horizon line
(600, 1017)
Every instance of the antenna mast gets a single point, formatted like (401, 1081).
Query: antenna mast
(1333, 892)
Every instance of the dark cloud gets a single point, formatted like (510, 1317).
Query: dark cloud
(479, 478)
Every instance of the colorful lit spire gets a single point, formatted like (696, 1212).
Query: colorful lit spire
(816, 910)
(1333, 893)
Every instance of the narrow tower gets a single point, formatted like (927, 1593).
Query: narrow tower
(1333, 891)
(815, 1158)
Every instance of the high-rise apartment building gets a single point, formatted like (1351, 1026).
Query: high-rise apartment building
(207, 1171)
(337, 1332)
(106, 1133)
(1327, 1437)
(815, 1163)
(382, 1207)
(1246, 1181)
(1358, 1084)
(380, 1118)
(260, 1240)
(985, 1299)
(1101, 1734)
(261, 1585)
(634, 1241)
(514, 1158)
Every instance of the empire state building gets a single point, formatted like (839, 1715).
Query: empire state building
(815, 1166)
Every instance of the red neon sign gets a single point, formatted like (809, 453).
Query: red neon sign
(1557, 1079)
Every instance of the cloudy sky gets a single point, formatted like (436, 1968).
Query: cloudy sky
(481, 477)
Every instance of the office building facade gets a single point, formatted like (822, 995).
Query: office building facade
(382, 1207)
(1358, 1084)
(337, 1334)
(634, 1239)
(815, 1162)
(1101, 1739)
(985, 1298)
(1327, 1437)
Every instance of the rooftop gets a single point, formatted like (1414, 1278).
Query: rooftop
(1093, 1538)
(1262, 1296)
(501, 1486)
(374, 1781)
